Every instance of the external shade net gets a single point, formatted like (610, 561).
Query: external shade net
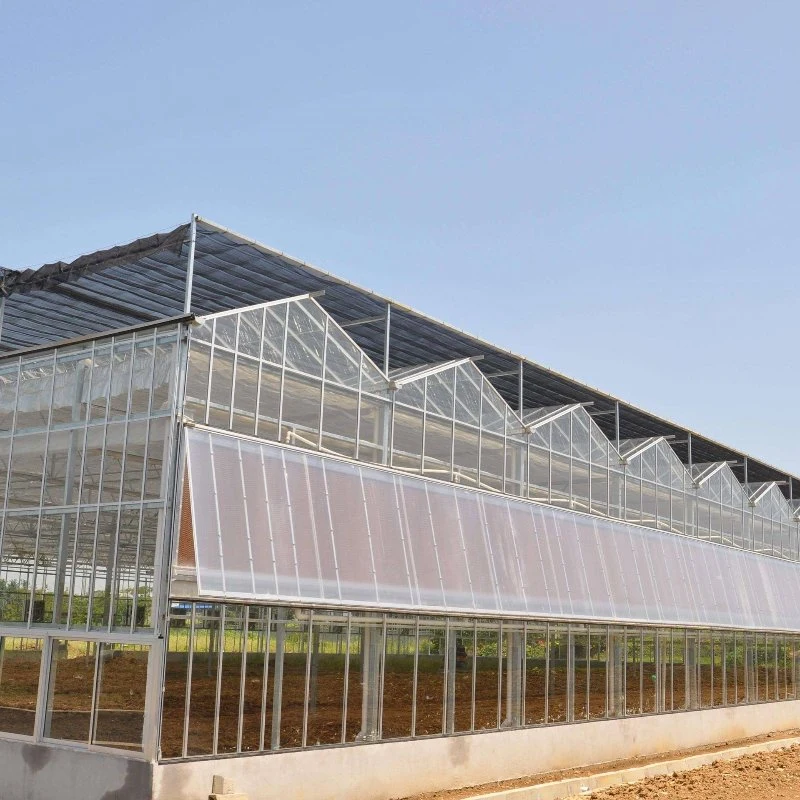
(273, 523)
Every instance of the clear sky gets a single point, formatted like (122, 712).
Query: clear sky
(608, 188)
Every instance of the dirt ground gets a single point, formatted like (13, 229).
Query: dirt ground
(761, 776)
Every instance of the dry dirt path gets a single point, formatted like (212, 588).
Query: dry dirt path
(760, 776)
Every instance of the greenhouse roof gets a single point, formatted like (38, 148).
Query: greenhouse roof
(145, 281)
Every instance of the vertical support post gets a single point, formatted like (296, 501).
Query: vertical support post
(2, 310)
(570, 715)
(616, 669)
(747, 535)
(450, 672)
(371, 650)
(280, 649)
(515, 660)
(524, 478)
(616, 424)
(691, 667)
(689, 463)
(387, 338)
(187, 301)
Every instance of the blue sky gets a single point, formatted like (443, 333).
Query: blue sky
(608, 188)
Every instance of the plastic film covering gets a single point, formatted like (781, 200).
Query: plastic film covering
(276, 523)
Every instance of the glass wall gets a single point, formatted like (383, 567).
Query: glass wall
(321, 677)
(285, 371)
(85, 437)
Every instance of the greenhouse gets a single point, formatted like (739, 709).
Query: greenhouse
(251, 511)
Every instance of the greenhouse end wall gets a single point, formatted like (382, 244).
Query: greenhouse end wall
(87, 462)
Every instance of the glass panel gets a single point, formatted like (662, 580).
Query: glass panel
(340, 421)
(328, 659)
(206, 648)
(119, 714)
(70, 695)
(579, 638)
(557, 673)
(633, 671)
(460, 677)
(20, 660)
(487, 676)
(363, 679)
(536, 675)
(302, 399)
(291, 651)
(175, 679)
(254, 695)
(598, 663)
(398, 680)
(649, 673)
(430, 678)
(230, 675)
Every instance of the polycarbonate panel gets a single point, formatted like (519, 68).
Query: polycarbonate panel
(360, 535)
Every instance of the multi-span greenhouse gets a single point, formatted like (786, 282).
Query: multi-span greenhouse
(259, 522)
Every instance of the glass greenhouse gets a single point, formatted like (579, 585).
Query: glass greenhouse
(248, 507)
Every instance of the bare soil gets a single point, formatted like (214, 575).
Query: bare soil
(761, 776)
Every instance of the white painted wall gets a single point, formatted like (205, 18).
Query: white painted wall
(397, 769)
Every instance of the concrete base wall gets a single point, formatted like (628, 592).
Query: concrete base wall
(46, 772)
(397, 769)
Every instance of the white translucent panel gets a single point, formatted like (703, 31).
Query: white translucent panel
(416, 518)
(503, 555)
(289, 524)
(392, 564)
(318, 493)
(476, 549)
(534, 562)
(348, 527)
(450, 553)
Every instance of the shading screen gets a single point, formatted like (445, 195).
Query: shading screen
(271, 522)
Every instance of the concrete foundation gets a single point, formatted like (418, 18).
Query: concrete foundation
(49, 772)
(378, 771)
(397, 769)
